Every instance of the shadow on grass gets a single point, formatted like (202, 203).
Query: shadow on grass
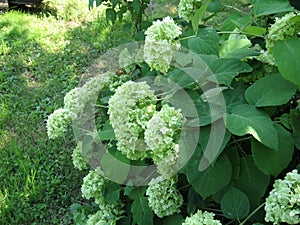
(37, 179)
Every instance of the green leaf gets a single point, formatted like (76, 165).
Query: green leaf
(233, 155)
(107, 132)
(235, 204)
(224, 70)
(267, 7)
(199, 15)
(215, 6)
(236, 48)
(246, 119)
(98, 2)
(255, 30)
(194, 201)
(111, 15)
(213, 145)
(141, 212)
(252, 181)
(213, 179)
(273, 162)
(295, 123)
(271, 90)
(206, 42)
(91, 4)
(234, 21)
(134, 192)
(111, 192)
(176, 219)
(287, 54)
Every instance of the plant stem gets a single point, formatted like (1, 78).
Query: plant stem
(255, 211)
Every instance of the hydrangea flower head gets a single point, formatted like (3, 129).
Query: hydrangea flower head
(284, 28)
(164, 198)
(188, 8)
(201, 218)
(283, 202)
(102, 217)
(163, 30)
(92, 187)
(58, 122)
(161, 136)
(130, 108)
(79, 161)
(160, 44)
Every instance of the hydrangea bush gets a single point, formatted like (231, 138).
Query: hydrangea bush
(243, 136)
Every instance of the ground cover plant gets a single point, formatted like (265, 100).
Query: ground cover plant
(198, 125)
(195, 123)
(42, 56)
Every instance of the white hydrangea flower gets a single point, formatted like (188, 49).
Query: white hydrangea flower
(76, 99)
(201, 218)
(164, 198)
(79, 161)
(92, 187)
(102, 217)
(188, 8)
(58, 122)
(130, 108)
(282, 29)
(283, 202)
(160, 44)
(158, 54)
(163, 30)
(161, 137)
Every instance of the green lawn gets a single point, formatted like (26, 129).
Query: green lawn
(41, 58)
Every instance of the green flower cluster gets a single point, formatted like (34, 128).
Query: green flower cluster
(93, 187)
(164, 198)
(75, 102)
(58, 123)
(79, 161)
(283, 202)
(128, 60)
(284, 28)
(201, 218)
(102, 217)
(160, 44)
(161, 137)
(130, 108)
(76, 99)
(188, 8)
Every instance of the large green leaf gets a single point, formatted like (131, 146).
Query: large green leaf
(210, 141)
(141, 212)
(236, 48)
(111, 192)
(235, 204)
(176, 219)
(206, 42)
(273, 162)
(213, 179)
(224, 70)
(267, 7)
(107, 132)
(271, 90)
(287, 55)
(295, 124)
(246, 119)
(252, 181)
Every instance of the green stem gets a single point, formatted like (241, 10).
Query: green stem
(255, 211)
(246, 33)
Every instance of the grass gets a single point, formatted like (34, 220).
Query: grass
(41, 58)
